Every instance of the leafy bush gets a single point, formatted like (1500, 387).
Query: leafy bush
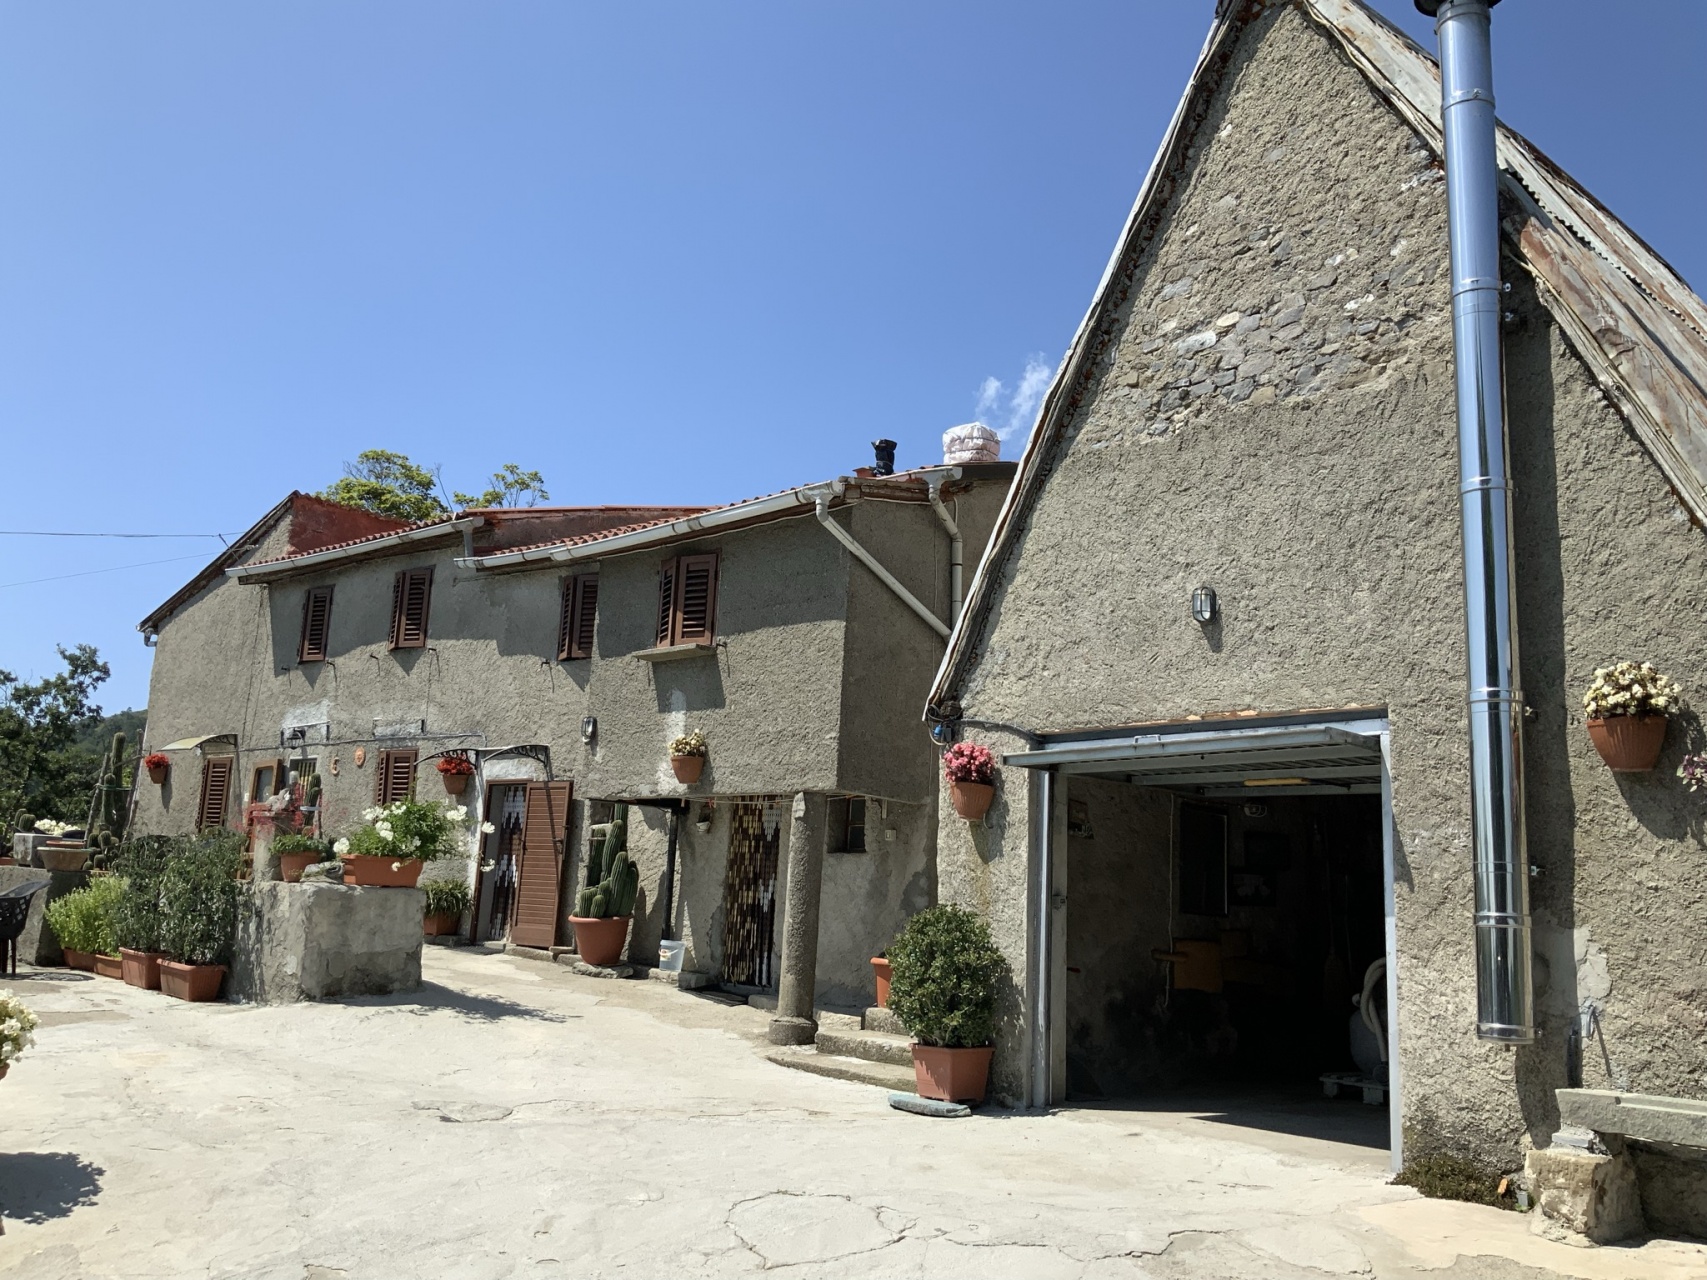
(1444, 1176)
(139, 915)
(1631, 689)
(446, 897)
(292, 843)
(422, 829)
(198, 890)
(83, 919)
(944, 968)
(968, 762)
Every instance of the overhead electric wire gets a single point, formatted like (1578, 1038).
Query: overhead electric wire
(44, 533)
(117, 568)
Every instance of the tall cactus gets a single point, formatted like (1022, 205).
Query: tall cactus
(108, 806)
(311, 800)
(612, 878)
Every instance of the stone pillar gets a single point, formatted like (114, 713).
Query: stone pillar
(794, 1023)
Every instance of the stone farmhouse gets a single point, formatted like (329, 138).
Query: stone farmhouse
(561, 650)
(1218, 643)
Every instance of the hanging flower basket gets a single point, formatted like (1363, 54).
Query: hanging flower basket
(687, 757)
(1629, 744)
(1628, 705)
(159, 766)
(454, 772)
(970, 771)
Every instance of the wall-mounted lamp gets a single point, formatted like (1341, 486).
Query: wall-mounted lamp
(1204, 605)
(589, 730)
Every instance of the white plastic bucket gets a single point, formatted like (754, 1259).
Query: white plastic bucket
(670, 955)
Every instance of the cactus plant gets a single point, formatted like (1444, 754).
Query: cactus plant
(612, 878)
(311, 799)
(109, 806)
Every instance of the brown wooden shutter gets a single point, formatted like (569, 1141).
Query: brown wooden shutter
(585, 591)
(394, 779)
(696, 610)
(316, 623)
(565, 620)
(411, 598)
(216, 792)
(666, 603)
(539, 864)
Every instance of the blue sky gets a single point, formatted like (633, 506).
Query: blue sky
(661, 250)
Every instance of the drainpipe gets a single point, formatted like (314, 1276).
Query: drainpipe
(870, 562)
(956, 551)
(1504, 992)
(1043, 1016)
(668, 931)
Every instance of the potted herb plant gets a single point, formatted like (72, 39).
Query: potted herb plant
(399, 839)
(82, 920)
(454, 772)
(198, 891)
(687, 757)
(159, 765)
(945, 968)
(17, 1027)
(971, 773)
(1628, 705)
(299, 852)
(138, 915)
(446, 901)
(603, 908)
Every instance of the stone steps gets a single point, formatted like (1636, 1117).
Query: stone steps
(872, 1046)
(878, 1019)
(836, 1067)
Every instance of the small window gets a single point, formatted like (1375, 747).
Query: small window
(687, 600)
(267, 781)
(216, 792)
(411, 599)
(579, 612)
(395, 776)
(1202, 861)
(316, 624)
(847, 824)
(299, 771)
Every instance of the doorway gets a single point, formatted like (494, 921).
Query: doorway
(521, 863)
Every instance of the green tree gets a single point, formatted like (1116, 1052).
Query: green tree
(511, 487)
(43, 770)
(388, 484)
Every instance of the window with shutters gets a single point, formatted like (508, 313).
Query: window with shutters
(316, 624)
(216, 792)
(687, 600)
(579, 612)
(411, 598)
(395, 777)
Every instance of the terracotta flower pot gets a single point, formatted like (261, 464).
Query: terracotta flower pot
(141, 968)
(687, 768)
(292, 865)
(108, 967)
(1629, 744)
(599, 941)
(971, 799)
(79, 960)
(952, 1075)
(385, 873)
(880, 967)
(455, 783)
(191, 981)
(441, 924)
(157, 773)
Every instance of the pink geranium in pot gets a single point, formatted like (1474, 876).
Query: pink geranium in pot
(970, 770)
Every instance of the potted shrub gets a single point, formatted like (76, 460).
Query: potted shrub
(399, 839)
(82, 920)
(198, 892)
(1628, 705)
(17, 1024)
(881, 973)
(454, 772)
(971, 773)
(446, 901)
(603, 908)
(687, 757)
(159, 765)
(297, 853)
(943, 987)
(138, 915)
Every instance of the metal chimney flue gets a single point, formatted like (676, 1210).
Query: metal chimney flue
(1504, 989)
(885, 455)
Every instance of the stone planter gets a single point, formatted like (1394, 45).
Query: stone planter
(198, 982)
(455, 783)
(687, 768)
(382, 873)
(109, 967)
(952, 1075)
(599, 940)
(315, 941)
(880, 970)
(292, 865)
(79, 960)
(971, 800)
(58, 855)
(1629, 744)
(442, 924)
(141, 968)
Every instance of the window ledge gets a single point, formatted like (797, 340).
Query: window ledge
(675, 652)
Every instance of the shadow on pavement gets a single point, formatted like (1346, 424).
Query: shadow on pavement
(48, 975)
(1340, 1120)
(38, 1185)
(475, 1008)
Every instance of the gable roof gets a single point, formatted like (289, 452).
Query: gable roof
(1637, 325)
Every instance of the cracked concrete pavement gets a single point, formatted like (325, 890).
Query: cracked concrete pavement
(514, 1120)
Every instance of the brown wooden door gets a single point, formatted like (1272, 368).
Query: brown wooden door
(539, 863)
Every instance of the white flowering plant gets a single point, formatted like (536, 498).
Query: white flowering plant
(1631, 689)
(17, 1025)
(49, 827)
(426, 830)
(690, 744)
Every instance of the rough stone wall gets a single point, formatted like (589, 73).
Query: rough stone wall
(868, 897)
(1274, 416)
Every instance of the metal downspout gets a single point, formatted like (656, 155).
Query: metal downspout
(956, 552)
(1504, 992)
(870, 562)
(668, 931)
(1042, 1015)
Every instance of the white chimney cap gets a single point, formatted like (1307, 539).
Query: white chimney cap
(970, 442)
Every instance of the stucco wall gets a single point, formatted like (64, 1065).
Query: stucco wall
(1273, 415)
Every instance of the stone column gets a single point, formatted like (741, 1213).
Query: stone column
(794, 1023)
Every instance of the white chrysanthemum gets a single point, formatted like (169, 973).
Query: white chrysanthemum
(341, 846)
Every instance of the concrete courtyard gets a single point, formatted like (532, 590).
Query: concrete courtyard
(514, 1120)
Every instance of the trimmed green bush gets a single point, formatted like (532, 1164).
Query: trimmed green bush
(83, 919)
(944, 968)
(446, 897)
(139, 915)
(198, 890)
